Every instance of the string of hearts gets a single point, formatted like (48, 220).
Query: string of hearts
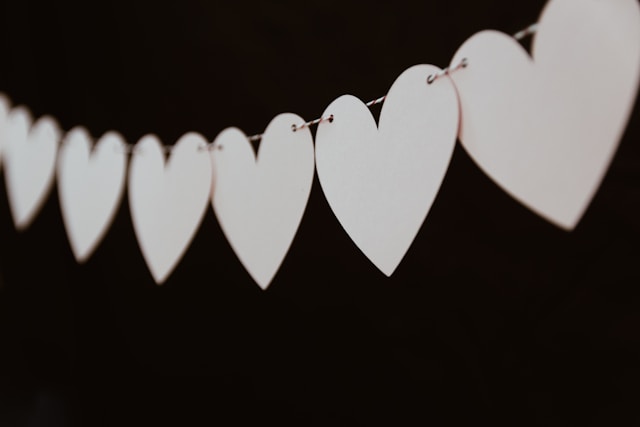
(544, 127)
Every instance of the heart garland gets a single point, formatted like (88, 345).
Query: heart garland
(544, 127)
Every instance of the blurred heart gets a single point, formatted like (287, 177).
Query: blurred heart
(29, 163)
(90, 187)
(546, 129)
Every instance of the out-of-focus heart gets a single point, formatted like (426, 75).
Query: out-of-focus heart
(29, 156)
(545, 129)
(5, 107)
(90, 187)
(168, 201)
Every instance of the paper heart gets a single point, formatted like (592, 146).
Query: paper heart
(5, 108)
(546, 129)
(381, 181)
(90, 187)
(168, 202)
(29, 163)
(259, 202)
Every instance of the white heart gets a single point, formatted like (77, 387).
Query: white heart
(5, 108)
(259, 202)
(29, 163)
(90, 187)
(168, 202)
(546, 129)
(381, 181)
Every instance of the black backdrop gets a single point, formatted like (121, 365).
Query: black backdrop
(493, 316)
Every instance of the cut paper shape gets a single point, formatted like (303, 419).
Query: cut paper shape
(5, 108)
(168, 201)
(381, 181)
(90, 187)
(546, 129)
(29, 163)
(259, 202)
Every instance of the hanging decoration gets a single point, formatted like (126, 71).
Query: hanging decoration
(90, 187)
(168, 201)
(544, 127)
(29, 157)
(259, 202)
(381, 180)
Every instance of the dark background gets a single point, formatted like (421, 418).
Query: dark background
(495, 316)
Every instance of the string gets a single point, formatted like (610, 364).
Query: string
(520, 35)
(529, 31)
